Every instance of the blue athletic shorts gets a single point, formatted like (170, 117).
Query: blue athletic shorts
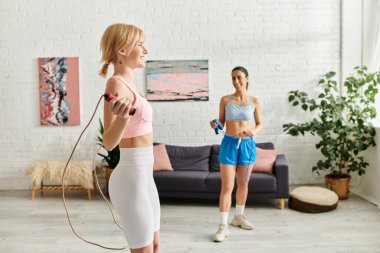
(233, 153)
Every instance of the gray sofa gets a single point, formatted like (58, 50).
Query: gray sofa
(196, 175)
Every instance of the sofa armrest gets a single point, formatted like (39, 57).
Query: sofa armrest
(281, 171)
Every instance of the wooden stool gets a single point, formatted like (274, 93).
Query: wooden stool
(58, 188)
(79, 176)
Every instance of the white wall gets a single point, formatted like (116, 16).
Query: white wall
(284, 45)
(352, 39)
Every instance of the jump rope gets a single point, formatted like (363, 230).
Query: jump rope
(219, 128)
(108, 98)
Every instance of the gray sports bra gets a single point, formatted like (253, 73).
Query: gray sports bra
(239, 112)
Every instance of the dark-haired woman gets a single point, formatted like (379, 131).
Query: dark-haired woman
(237, 153)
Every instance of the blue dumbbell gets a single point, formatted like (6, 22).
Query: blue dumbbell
(218, 126)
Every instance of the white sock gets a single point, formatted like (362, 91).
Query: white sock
(239, 209)
(223, 218)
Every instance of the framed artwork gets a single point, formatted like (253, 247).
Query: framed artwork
(177, 80)
(59, 91)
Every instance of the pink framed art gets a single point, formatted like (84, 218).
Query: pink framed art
(59, 91)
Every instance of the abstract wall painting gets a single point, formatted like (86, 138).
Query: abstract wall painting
(59, 91)
(177, 80)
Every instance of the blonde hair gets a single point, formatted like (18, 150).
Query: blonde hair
(116, 37)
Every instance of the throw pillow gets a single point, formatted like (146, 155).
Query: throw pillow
(265, 159)
(161, 158)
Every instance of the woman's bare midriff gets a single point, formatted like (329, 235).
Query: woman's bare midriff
(137, 142)
(235, 127)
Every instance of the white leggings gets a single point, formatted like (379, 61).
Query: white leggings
(134, 195)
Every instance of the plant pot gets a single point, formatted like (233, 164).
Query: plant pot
(338, 184)
(108, 175)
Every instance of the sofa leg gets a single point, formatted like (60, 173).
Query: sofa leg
(282, 203)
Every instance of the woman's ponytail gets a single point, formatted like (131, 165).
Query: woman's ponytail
(104, 70)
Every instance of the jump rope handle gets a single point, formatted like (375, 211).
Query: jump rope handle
(109, 96)
(218, 126)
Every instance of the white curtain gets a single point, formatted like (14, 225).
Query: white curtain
(367, 186)
(371, 41)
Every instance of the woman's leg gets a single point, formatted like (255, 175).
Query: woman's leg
(242, 180)
(227, 158)
(247, 156)
(146, 249)
(156, 242)
(243, 177)
(154, 200)
(156, 211)
(154, 203)
(128, 188)
(227, 175)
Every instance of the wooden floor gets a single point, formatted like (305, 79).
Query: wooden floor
(40, 225)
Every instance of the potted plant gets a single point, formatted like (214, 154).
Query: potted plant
(342, 121)
(111, 158)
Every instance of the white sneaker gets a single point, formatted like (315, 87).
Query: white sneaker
(240, 221)
(222, 233)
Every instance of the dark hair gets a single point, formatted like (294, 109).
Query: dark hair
(242, 69)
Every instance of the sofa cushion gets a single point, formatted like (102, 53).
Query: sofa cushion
(259, 182)
(161, 158)
(264, 160)
(262, 182)
(189, 158)
(177, 181)
(214, 161)
(213, 182)
(265, 145)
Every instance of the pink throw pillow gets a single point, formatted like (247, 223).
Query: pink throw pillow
(265, 159)
(161, 158)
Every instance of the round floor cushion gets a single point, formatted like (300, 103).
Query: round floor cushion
(310, 199)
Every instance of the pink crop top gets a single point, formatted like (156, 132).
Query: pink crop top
(141, 122)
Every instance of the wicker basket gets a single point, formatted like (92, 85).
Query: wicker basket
(339, 185)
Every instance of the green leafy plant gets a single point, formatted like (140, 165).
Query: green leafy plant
(111, 159)
(341, 121)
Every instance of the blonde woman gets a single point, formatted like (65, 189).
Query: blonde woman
(132, 189)
(237, 151)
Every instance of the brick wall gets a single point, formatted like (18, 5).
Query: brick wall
(284, 45)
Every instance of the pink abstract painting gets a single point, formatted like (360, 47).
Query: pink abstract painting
(59, 91)
(177, 80)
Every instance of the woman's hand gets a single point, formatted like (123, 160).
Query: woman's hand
(249, 133)
(212, 124)
(120, 107)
